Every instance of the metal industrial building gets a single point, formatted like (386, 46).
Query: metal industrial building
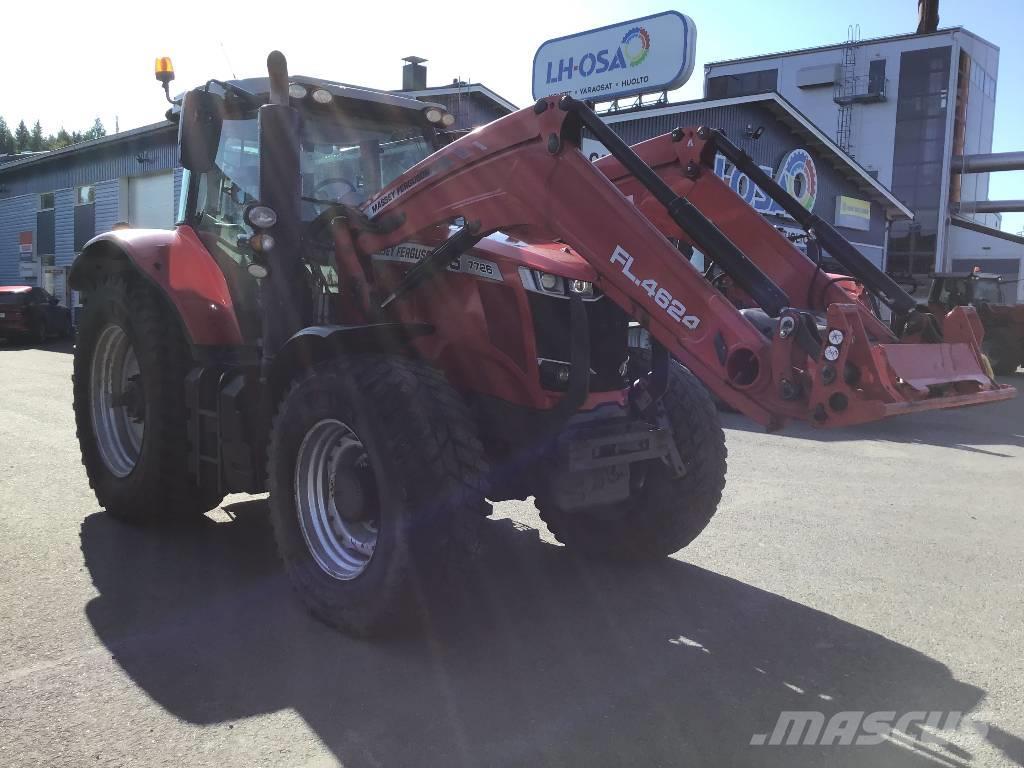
(908, 108)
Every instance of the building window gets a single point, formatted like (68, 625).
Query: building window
(46, 201)
(85, 217)
(85, 195)
(918, 154)
(743, 84)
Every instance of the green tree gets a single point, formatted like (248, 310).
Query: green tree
(22, 137)
(6, 139)
(96, 132)
(35, 142)
(61, 140)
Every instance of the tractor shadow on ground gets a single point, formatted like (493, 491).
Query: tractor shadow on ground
(962, 429)
(539, 660)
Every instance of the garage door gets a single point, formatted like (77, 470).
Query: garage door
(151, 201)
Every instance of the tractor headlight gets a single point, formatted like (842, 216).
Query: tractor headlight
(447, 119)
(582, 287)
(549, 282)
(433, 114)
(536, 281)
(297, 91)
(260, 216)
(258, 270)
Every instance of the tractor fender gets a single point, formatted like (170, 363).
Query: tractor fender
(317, 343)
(176, 263)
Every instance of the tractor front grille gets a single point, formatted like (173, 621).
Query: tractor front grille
(608, 326)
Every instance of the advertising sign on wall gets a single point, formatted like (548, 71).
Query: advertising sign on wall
(853, 213)
(796, 174)
(653, 53)
(28, 267)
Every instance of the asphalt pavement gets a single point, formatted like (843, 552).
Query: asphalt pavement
(878, 569)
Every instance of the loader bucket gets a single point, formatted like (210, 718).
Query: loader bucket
(874, 380)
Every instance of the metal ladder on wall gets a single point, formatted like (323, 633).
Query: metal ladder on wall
(845, 89)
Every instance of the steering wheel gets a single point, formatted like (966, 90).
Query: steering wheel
(318, 235)
(348, 195)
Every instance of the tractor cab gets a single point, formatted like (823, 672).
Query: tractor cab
(952, 289)
(337, 145)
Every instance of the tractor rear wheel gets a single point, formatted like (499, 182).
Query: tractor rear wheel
(665, 513)
(1002, 352)
(129, 400)
(373, 462)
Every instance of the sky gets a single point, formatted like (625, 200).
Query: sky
(96, 59)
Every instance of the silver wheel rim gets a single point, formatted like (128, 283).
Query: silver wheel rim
(336, 499)
(118, 404)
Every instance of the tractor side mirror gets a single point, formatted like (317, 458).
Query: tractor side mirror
(199, 130)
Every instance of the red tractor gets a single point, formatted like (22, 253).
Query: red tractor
(1002, 318)
(385, 329)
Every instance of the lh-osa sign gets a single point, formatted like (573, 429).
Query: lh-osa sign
(655, 53)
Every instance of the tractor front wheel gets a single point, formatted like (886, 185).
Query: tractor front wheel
(664, 513)
(129, 400)
(372, 461)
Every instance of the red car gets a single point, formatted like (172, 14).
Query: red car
(31, 314)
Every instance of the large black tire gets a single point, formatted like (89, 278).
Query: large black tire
(158, 486)
(428, 478)
(1002, 350)
(666, 513)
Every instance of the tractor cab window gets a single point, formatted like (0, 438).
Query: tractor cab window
(225, 190)
(351, 159)
(988, 290)
(954, 293)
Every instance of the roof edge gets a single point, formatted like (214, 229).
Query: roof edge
(445, 90)
(836, 46)
(81, 146)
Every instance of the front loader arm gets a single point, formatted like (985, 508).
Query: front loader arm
(685, 162)
(524, 174)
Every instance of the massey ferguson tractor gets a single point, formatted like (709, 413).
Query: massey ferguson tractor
(386, 329)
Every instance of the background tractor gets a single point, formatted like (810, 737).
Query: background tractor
(386, 329)
(992, 296)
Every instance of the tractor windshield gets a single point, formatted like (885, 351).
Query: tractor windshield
(344, 159)
(350, 160)
(988, 290)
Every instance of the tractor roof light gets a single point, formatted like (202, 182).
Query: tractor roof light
(164, 70)
(321, 96)
(260, 216)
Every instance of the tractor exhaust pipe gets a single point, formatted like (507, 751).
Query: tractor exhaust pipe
(277, 69)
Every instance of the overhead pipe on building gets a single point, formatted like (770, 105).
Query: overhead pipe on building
(990, 206)
(998, 161)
